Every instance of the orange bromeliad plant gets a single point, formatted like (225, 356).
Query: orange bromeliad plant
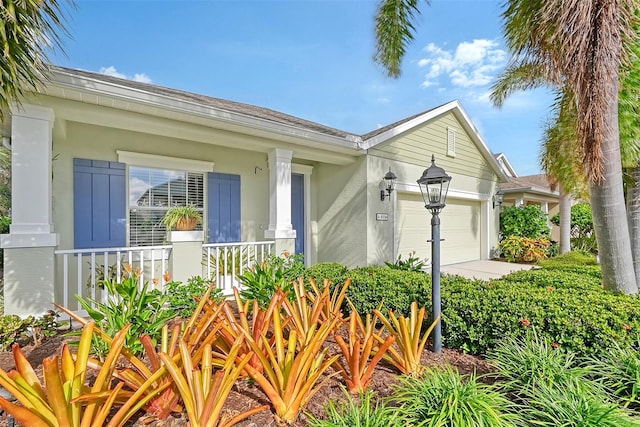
(64, 400)
(359, 367)
(409, 339)
(293, 365)
(204, 392)
(160, 396)
(255, 324)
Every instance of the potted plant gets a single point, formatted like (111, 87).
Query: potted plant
(182, 218)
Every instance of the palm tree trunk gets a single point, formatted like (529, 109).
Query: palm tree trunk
(633, 215)
(565, 221)
(608, 208)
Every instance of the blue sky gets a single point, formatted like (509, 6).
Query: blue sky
(313, 59)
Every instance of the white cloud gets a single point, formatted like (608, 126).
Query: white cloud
(137, 77)
(471, 64)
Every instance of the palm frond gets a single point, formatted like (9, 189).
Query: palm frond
(394, 31)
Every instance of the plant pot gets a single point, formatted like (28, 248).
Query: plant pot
(186, 224)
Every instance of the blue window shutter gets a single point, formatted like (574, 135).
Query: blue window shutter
(224, 208)
(99, 204)
(297, 210)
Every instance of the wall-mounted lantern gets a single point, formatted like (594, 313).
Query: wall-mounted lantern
(390, 183)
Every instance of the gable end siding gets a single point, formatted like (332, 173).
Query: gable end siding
(417, 146)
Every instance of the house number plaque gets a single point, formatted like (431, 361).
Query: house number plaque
(382, 217)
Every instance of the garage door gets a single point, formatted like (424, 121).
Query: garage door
(459, 227)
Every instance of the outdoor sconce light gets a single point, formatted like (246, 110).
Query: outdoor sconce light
(498, 198)
(434, 184)
(390, 182)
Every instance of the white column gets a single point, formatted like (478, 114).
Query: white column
(28, 248)
(519, 201)
(186, 254)
(280, 228)
(544, 206)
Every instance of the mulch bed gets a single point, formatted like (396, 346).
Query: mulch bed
(246, 395)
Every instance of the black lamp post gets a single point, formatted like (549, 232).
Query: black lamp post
(434, 184)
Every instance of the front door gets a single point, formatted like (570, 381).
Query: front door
(297, 210)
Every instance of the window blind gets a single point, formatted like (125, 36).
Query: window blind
(151, 193)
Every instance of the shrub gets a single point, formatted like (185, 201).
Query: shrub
(14, 329)
(336, 273)
(263, 280)
(365, 412)
(128, 303)
(582, 234)
(444, 398)
(183, 298)
(574, 261)
(569, 309)
(525, 249)
(523, 221)
(394, 289)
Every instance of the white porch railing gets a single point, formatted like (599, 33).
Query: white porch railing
(82, 270)
(224, 262)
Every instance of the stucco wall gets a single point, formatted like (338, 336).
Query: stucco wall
(101, 143)
(341, 204)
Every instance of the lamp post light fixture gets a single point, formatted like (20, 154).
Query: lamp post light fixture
(390, 183)
(434, 184)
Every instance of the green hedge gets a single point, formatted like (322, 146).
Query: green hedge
(570, 309)
(564, 301)
(397, 289)
(336, 273)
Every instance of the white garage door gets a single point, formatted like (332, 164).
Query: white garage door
(459, 227)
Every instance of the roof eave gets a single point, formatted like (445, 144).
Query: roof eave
(68, 81)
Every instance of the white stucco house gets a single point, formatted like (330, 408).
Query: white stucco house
(97, 160)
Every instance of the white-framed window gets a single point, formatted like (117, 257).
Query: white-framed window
(151, 192)
(451, 142)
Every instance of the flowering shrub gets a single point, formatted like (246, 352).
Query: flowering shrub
(525, 249)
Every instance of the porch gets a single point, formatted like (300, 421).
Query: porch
(81, 271)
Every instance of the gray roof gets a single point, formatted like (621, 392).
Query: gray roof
(393, 125)
(223, 104)
(540, 182)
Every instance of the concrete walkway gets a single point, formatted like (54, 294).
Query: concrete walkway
(484, 270)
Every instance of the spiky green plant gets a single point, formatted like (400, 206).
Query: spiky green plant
(525, 363)
(445, 398)
(573, 404)
(618, 371)
(364, 411)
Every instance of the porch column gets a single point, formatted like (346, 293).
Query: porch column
(544, 207)
(280, 228)
(186, 254)
(29, 246)
(519, 201)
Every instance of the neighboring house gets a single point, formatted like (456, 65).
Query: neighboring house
(98, 160)
(530, 190)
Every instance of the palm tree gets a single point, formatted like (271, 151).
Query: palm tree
(575, 45)
(578, 46)
(28, 29)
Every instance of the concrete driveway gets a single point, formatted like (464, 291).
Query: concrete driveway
(484, 270)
